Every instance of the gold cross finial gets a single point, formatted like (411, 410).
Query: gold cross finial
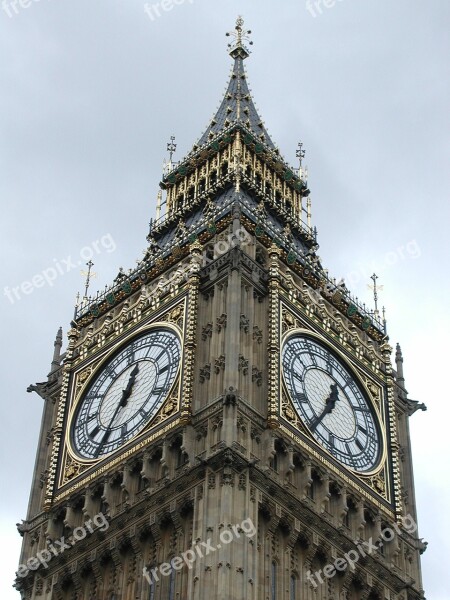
(376, 288)
(171, 147)
(300, 153)
(237, 48)
(239, 24)
(89, 274)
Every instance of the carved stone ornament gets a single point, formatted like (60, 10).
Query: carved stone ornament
(72, 468)
(374, 391)
(221, 322)
(243, 364)
(256, 375)
(205, 373)
(170, 406)
(378, 483)
(209, 208)
(219, 364)
(288, 321)
(207, 331)
(244, 323)
(257, 334)
(176, 316)
(83, 376)
(289, 413)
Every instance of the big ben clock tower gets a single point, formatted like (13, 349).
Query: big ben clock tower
(225, 421)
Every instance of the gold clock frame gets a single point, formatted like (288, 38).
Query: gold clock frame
(289, 314)
(70, 473)
(78, 394)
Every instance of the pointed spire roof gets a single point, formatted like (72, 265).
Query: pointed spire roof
(237, 105)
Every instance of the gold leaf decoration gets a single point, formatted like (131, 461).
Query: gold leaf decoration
(289, 321)
(72, 468)
(83, 376)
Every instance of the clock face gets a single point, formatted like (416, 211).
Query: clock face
(126, 393)
(331, 403)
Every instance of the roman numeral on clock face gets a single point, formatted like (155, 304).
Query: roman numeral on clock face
(297, 376)
(358, 443)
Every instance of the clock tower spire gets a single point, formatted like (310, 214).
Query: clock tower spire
(226, 422)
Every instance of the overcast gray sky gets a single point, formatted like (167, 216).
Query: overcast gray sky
(91, 91)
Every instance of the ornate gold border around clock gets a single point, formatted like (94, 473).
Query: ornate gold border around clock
(72, 464)
(172, 317)
(379, 478)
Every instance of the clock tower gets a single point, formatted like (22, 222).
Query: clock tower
(225, 421)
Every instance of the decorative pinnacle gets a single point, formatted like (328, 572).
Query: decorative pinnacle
(237, 48)
(171, 147)
(89, 274)
(300, 153)
(57, 351)
(375, 289)
(399, 364)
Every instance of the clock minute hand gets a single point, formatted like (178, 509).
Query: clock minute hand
(330, 403)
(126, 393)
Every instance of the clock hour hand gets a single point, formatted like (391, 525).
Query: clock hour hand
(330, 403)
(126, 393)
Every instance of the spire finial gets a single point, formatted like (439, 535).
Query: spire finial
(375, 289)
(89, 274)
(171, 147)
(237, 48)
(300, 153)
